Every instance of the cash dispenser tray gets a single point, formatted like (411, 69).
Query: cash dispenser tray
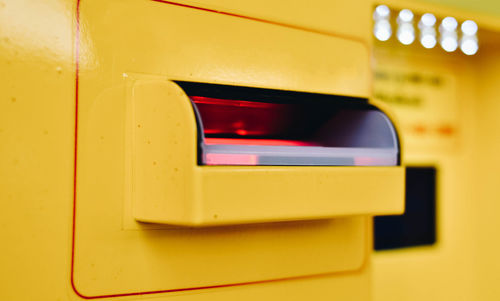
(202, 152)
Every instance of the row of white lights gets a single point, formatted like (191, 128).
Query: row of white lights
(448, 38)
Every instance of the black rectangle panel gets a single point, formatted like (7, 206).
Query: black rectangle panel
(417, 226)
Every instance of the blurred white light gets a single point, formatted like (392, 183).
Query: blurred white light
(428, 20)
(406, 36)
(382, 30)
(469, 27)
(469, 46)
(449, 24)
(381, 11)
(428, 41)
(405, 16)
(449, 44)
(406, 32)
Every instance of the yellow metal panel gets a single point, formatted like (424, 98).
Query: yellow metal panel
(163, 144)
(189, 44)
(342, 18)
(289, 193)
(431, 272)
(486, 170)
(36, 149)
(146, 259)
(202, 46)
(173, 258)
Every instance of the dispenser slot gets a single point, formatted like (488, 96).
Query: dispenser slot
(254, 126)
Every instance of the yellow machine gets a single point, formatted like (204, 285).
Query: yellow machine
(223, 150)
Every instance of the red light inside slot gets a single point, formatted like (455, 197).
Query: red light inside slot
(242, 118)
(231, 103)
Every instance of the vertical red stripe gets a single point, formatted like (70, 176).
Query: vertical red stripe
(77, 70)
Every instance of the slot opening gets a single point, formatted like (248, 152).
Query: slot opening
(254, 126)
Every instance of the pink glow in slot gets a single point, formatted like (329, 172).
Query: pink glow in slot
(230, 159)
(374, 161)
(242, 118)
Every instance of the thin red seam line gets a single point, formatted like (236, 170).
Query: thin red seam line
(265, 21)
(77, 70)
(216, 286)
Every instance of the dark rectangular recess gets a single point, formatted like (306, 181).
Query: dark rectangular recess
(417, 226)
(255, 126)
(259, 113)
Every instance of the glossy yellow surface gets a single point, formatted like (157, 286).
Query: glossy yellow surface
(114, 254)
(88, 63)
(328, 259)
